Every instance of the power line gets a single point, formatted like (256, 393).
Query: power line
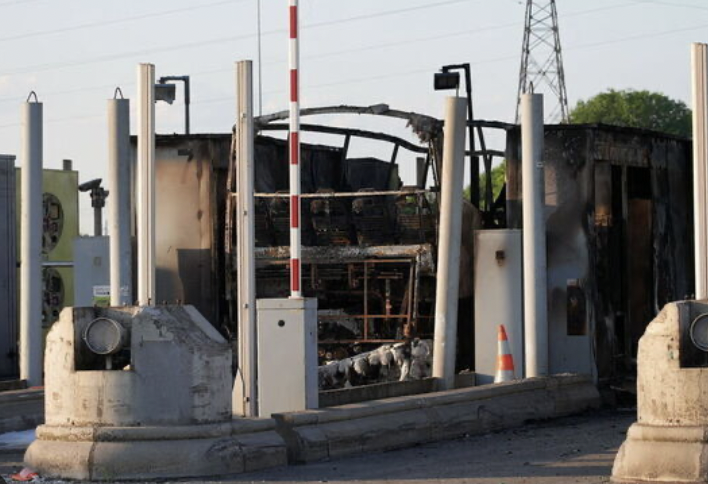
(191, 45)
(671, 4)
(12, 3)
(92, 25)
(386, 76)
(404, 42)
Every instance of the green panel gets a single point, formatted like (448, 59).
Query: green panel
(62, 186)
(61, 212)
(61, 227)
(58, 292)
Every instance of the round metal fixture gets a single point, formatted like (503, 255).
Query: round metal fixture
(105, 336)
(699, 332)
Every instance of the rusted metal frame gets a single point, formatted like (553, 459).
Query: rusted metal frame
(420, 123)
(361, 316)
(411, 283)
(359, 133)
(358, 341)
(344, 255)
(366, 300)
(416, 297)
(427, 168)
(435, 149)
(491, 153)
(384, 193)
(387, 301)
(394, 155)
(488, 196)
(345, 154)
(345, 147)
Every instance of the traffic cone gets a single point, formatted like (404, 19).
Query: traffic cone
(505, 361)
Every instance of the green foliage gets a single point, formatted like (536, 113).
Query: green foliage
(636, 109)
(498, 180)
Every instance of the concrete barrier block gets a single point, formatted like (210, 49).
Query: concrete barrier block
(262, 450)
(569, 398)
(307, 444)
(378, 433)
(405, 421)
(451, 421)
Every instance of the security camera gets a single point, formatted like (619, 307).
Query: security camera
(90, 185)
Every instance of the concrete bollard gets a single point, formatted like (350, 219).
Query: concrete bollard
(669, 441)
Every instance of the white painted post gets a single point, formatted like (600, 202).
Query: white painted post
(534, 236)
(119, 200)
(448, 274)
(31, 243)
(245, 391)
(699, 65)
(295, 219)
(146, 184)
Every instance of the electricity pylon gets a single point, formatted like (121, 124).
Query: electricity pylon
(542, 60)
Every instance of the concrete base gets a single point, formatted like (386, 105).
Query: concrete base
(394, 423)
(139, 453)
(663, 454)
(669, 442)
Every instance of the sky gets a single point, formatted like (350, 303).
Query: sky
(74, 53)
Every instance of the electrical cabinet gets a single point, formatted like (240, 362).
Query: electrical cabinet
(287, 355)
(92, 270)
(499, 299)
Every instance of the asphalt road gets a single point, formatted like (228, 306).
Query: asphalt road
(571, 450)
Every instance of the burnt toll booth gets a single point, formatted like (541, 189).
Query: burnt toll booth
(370, 242)
(619, 239)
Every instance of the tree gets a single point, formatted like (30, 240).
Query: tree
(636, 109)
(498, 180)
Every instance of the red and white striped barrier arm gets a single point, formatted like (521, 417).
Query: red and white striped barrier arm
(295, 236)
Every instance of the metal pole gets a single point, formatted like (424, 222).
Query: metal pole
(260, 59)
(97, 221)
(187, 101)
(699, 64)
(475, 198)
(146, 184)
(119, 201)
(448, 274)
(245, 390)
(534, 236)
(31, 244)
(295, 238)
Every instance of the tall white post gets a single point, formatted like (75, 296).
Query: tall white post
(119, 200)
(245, 391)
(534, 236)
(448, 275)
(699, 64)
(31, 244)
(146, 184)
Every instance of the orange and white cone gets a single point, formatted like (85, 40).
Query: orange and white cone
(505, 361)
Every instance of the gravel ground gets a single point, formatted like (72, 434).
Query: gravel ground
(570, 450)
